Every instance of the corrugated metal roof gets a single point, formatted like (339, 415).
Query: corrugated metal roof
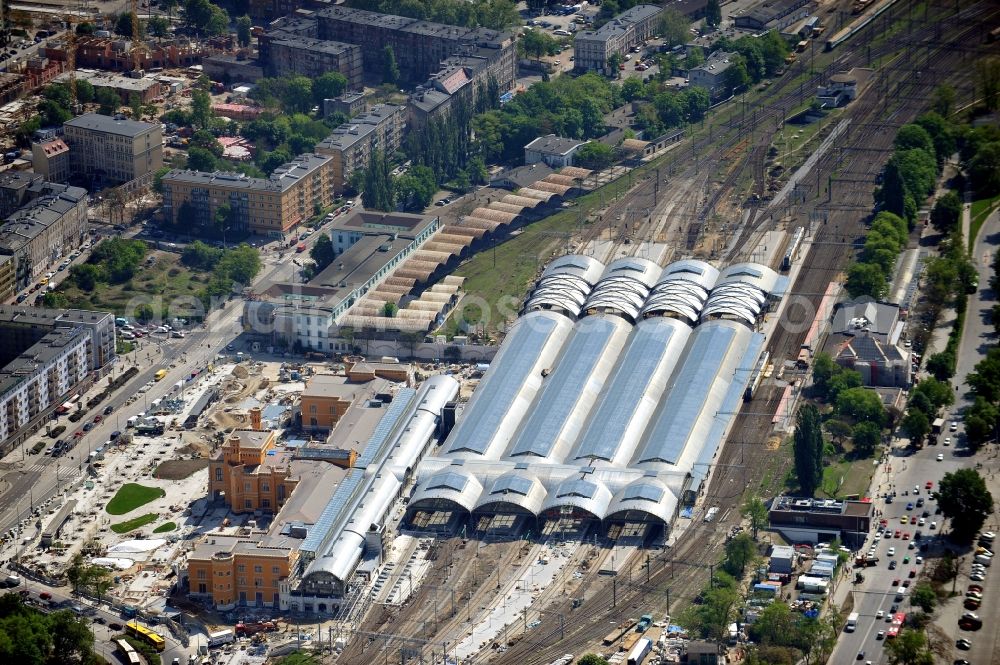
(570, 392)
(509, 386)
(634, 390)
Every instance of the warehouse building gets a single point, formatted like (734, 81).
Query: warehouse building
(609, 398)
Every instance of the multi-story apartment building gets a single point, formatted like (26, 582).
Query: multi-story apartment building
(593, 48)
(263, 206)
(245, 476)
(50, 159)
(46, 356)
(50, 225)
(285, 54)
(711, 74)
(8, 270)
(419, 46)
(351, 145)
(110, 150)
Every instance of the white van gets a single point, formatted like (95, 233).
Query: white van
(984, 560)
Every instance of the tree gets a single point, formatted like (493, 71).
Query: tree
(964, 499)
(298, 94)
(592, 659)
(390, 70)
(594, 155)
(981, 420)
(389, 309)
(53, 114)
(984, 170)
(135, 106)
(201, 109)
(713, 13)
(893, 192)
(862, 405)
(240, 264)
(866, 437)
(108, 100)
(416, 188)
(942, 365)
(158, 26)
(123, 26)
(775, 625)
(200, 255)
(452, 354)
(243, 27)
(200, 159)
(915, 425)
(988, 81)
(946, 213)
(808, 449)
(924, 597)
(866, 279)
(755, 510)
(378, 185)
(328, 86)
(823, 370)
(84, 91)
(86, 276)
(674, 27)
(322, 252)
(736, 75)
(985, 379)
(944, 100)
(909, 648)
(939, 393)
(538, 43)
(913, 136)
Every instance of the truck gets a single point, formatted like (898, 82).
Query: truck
(639, 652)
(937, 426)
(220, 637)
(248, 628)
(12, 580)
(852, 622)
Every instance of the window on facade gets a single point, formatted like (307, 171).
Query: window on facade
(258, 569)
(218, 474)
(201, 574)
(241, 568)
(248, 503)
(265, 503)
(258, 581)
(312, 408)
(247, 487)
(275, 570)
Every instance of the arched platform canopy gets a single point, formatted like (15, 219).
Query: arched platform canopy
(623, 287)
(452, 487)
(645, 495)
(592, 496)
(517, 491)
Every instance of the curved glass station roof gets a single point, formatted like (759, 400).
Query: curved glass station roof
(610, 395)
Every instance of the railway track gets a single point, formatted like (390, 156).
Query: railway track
(669, 579)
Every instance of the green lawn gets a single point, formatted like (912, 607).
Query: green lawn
(980, 210)
(131, 496)
(165, 527)
(165, 279)
(134, 523)
(842, 479)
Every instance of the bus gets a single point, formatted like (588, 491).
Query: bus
(898, 619)
(128, 653)
(160, 374)
(801, 46)
(140, 632)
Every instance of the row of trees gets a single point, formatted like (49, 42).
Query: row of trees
(298, 94)
(28, 637)
(872, 273)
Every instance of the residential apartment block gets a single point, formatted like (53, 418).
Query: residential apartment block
(110, 150)
(711, 73)
(419, 46)
(593, 48)
(50, 224)
(263, 206)
(461, 78)
(47, 355)
(289, 55)
(50, 159)
(245, 476)
(351, 145)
